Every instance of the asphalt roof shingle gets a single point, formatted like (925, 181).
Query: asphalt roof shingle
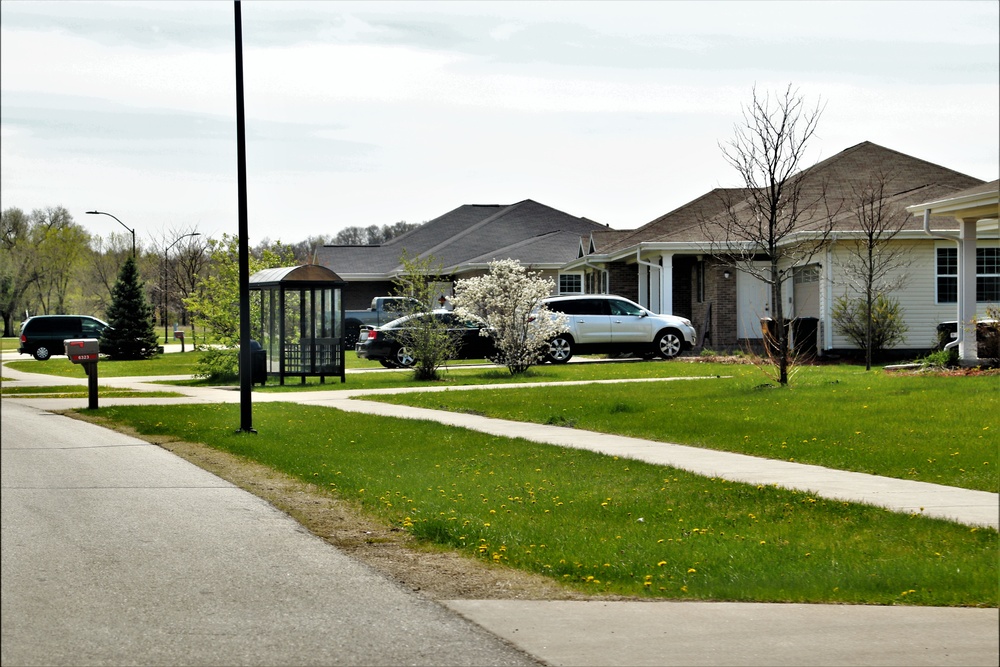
(471, 234)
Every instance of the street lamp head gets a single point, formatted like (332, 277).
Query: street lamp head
(130, 229)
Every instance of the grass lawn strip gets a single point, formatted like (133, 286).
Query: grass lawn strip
(75, 391)
(597, 523)
(919, 427)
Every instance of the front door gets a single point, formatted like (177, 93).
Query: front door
(753, 301)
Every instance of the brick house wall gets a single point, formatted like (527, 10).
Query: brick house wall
(720, 293)
(623, 280)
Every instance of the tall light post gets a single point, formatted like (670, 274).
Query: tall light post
(120, 223)
(166, 319)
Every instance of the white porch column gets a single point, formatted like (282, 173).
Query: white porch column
(968, 352)
(667, 284)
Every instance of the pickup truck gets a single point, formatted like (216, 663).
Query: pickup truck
(383, 309)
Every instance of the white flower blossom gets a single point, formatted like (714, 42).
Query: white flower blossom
(509, 299)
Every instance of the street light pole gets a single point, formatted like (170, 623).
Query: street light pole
(164, 290)
(120, 223)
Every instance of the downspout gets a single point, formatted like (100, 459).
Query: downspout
(959, 329)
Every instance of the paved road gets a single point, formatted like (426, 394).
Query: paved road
(116, 552)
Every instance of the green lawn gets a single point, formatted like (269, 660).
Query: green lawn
(599, 523)
(944, 430)
(161, 364)
(80, 391)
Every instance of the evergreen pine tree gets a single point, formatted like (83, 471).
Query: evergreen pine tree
(132, 334)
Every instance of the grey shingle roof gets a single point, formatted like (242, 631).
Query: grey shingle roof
(528, 231)
(831, 184)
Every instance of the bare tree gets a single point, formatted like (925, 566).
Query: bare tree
(780, 218)
(190, 265)
(872, 265)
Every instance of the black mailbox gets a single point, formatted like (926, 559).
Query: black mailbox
(82, 350)
(86, 351)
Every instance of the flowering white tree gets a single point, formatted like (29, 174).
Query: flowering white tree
(509, 300)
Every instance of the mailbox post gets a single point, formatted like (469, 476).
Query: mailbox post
(85, 351)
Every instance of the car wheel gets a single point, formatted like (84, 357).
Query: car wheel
(560, 350)
(41, 353)
(668, 344)
(404, 358)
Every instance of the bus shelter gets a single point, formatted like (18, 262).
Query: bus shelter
(297, 315)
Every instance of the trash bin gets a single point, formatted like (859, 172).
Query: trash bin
(946, 332)
(987, 337)
(804, 332)
(258, 363)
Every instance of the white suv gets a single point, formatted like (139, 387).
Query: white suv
(601, 323)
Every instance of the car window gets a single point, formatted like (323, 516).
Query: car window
(568, 307)
(92, 328)
(624, 308)
(594, 307)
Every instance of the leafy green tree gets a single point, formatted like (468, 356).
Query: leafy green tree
(18, 269)
(60, 248)
(428, 339)
(216, 302)
(132, 334)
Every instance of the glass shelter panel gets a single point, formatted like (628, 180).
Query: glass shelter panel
(298, 320)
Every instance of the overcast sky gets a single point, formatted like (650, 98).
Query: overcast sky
(362, 113)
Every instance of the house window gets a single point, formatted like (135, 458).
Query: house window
(699, 282)
(987, 275)
(570, 283)
(805, 274)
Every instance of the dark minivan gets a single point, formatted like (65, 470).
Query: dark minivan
(44, 335)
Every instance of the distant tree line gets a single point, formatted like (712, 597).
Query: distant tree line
(305, 251)
(50, 264)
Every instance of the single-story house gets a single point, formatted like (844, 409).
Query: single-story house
(464, 241)
(675, 264)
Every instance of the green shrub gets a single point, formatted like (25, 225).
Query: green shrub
(219, 365)
(888, 327)
(940, 358)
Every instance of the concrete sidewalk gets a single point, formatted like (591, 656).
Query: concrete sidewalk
(694, 633)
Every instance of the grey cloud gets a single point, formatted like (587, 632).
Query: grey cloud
(171, 139)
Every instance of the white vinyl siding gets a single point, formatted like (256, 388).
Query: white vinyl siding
(917, 297)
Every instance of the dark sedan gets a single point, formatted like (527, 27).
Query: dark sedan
(383, 344)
